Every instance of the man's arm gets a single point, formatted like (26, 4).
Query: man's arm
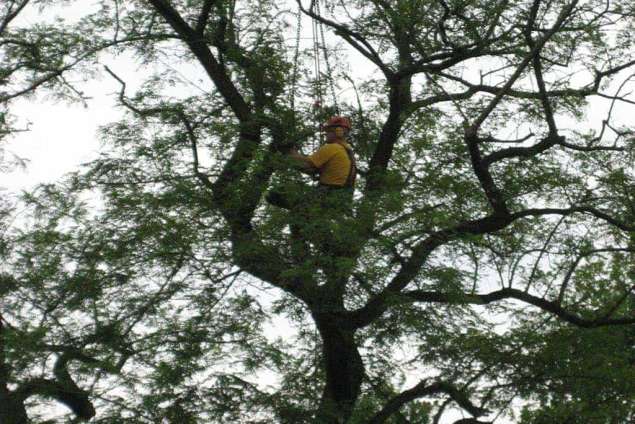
(303, 162)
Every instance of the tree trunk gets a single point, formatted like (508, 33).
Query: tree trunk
(344, 371)
(11, 409)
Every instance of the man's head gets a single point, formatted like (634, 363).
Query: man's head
(337, 128)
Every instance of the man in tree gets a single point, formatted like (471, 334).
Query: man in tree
(334, 161)
(335, 164)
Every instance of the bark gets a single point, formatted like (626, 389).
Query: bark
(400, 99)
(65, 392)
(12, 409)
(344, 370)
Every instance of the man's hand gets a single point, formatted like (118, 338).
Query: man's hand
(303, 162)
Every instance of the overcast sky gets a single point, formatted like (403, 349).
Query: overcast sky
(61, 136)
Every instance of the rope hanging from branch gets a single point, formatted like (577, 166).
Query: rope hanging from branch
(296, 55)
(324, 83)
(329, 70)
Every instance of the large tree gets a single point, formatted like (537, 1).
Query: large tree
(485, 271)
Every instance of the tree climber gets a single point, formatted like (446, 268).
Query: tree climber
(319, 213)
(334, 162)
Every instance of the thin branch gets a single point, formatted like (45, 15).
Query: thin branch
(490, 139)
(203, 17)
(452, 98)
(53, 74)
(564, 14)
(358, 42)
(591, 148)
(11, 15)
(126, 103)
(576, 262)
(194, 144)
(542, 252)
(573, 210)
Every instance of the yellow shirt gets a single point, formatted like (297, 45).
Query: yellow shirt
(333, 163)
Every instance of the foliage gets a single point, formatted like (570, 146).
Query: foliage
(485, 269)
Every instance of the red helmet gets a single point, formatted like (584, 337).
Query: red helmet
(338, 121)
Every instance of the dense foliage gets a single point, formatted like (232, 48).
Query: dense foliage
(485, 273)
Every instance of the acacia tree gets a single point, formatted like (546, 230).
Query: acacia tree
(487, 265)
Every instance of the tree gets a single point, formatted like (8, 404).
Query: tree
(489, 254)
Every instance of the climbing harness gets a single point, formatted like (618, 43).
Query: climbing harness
(352, 173)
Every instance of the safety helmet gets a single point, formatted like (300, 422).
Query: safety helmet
(338, 121)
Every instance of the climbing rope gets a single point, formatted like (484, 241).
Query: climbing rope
(317, 66)
(329, 69)
(317, 72)
(320, 49)
(294, 75)
(322, 77)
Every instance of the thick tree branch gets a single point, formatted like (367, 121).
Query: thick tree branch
(423, 389)
(69, 395)
(481, 169)
(600, 75)
(250, 130)
(376, 306)
(399, 102)
(63, 388)
(481, 166)
(537, 65)
(4, 369)
(553, 307)
(214, 69)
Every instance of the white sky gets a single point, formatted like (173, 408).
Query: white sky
(61, 137)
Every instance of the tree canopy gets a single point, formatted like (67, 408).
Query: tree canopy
(485, 273)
